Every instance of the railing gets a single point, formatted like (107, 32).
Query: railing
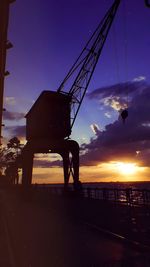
(127, 196)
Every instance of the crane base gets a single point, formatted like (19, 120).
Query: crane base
(68, 149)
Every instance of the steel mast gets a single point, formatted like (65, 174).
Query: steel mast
(4, 45)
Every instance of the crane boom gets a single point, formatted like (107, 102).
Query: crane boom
(86, 62)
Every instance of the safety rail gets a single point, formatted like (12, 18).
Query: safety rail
(127, 196)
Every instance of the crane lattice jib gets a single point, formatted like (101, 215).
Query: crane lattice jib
(86, 63)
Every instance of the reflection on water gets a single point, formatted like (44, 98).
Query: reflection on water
(130, 193)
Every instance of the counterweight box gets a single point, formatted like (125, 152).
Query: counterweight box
(49, 117)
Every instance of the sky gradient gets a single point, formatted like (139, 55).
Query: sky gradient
(47, 37)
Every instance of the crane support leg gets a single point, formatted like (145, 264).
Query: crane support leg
(74, 163)
(65, 156)
(70, 156)
(68, 149)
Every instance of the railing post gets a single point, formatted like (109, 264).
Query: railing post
(89, 192)
(128, 195)
(116, 194)
(105, 194)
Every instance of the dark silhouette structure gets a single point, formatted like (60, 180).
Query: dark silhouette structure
(11, 173)
(51, 118)
(48, 124)
(124, 115)
(147, 2)
(4, 45)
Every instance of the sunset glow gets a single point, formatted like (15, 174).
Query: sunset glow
(126, 168)
(113, 171)
(122, 171)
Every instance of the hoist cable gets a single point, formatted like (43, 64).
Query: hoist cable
(125, 50)
(116, 54)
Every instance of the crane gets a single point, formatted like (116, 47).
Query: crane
(51, 118)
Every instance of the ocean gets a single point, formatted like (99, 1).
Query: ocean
(112, 185)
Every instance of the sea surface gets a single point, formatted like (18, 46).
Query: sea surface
(120, 185)
(112, 185)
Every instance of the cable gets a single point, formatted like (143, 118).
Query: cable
(125, 50)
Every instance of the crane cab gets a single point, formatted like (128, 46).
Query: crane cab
(49, 117)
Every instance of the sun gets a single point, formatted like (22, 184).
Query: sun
(126, 168)
(122, 171)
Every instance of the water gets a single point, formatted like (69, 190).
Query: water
(112, 185)
(119, 185)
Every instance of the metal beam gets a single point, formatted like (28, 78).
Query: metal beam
(85, 64)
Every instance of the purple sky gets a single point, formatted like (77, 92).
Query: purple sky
(48, 36)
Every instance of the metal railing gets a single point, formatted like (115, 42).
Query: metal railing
(127, 196)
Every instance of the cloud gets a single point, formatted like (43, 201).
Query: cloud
(115, 102)
(16, 103)
(119, 95)
(8, 115)
(120, 141)
(47, 160)
(18, 131)
(140, 78)
(47, 163)
(10, 100)
(107, 114)
(95, 128)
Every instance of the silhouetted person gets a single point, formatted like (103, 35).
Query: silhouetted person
(11, 173)
(16, 176)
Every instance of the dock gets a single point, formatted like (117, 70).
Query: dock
(42, 229)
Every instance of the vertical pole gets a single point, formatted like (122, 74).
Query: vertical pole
(4, 18)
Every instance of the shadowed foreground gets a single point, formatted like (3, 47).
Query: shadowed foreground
(43, 230)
